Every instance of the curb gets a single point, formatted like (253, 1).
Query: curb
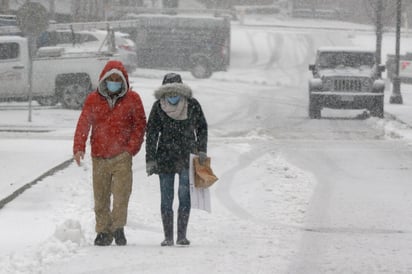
(393, 117)
(20, 190)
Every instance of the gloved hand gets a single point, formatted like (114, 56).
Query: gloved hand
(202, 157)
(151, 167)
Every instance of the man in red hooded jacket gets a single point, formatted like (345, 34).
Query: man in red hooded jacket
(117, 120)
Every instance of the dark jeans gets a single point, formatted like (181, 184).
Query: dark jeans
(167, 192)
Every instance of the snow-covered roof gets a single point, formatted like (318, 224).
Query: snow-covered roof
(202, 21)
(5, 38)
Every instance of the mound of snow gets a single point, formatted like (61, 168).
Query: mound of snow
(70, 230)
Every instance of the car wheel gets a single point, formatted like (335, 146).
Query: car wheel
(201, 68)
(72, 95)
(376, 109)
(314, 108)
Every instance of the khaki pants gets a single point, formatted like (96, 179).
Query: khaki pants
(112, 176)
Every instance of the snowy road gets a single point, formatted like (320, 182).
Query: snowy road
(359, 218)
(294, 195)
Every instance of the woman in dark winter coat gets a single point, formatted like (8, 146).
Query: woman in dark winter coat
(176, 128)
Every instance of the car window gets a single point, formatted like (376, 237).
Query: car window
(65, 38)
(87, 38)
(121, 41)
(367, 60)
(55, 38)
(9, 51)
(327, 60)
(345, 59)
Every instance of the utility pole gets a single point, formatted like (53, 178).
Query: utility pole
(170, 6)
(396, 97)
(52, 9)
(379, 27)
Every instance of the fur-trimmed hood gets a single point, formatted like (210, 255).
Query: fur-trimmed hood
(173, 89)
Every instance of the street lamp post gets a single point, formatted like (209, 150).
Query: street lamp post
(396, 97)
(52, 9)
(379, 27)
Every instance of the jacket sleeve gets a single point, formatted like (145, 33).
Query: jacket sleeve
(83, 127)
(139, 126)
(200, 127)
(152, 133)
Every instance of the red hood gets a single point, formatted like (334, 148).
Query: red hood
(111, 67)
(113, 64)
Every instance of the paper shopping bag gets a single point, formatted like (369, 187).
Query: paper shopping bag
(204, 176)
(199, 197)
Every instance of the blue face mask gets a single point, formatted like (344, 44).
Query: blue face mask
(113, 86)
(173, 99)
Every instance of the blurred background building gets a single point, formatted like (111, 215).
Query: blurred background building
(359, 11)
(4, 6)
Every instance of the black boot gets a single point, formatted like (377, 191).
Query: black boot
(103, 239)
(119, 237)
(167, 220)
(182, 221)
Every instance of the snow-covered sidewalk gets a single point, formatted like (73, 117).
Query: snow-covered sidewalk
(254, 226)
(402, 112)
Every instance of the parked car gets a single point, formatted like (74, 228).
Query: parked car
(92, 41)
(8, 20)
(57, 76)
(346, 78)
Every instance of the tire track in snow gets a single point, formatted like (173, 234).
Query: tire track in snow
(223, 189)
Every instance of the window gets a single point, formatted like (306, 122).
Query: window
(345, 59)
(83, 38)
(9, 51)
(65, 38)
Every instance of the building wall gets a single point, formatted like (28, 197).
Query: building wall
(4, 6)
(359, 11)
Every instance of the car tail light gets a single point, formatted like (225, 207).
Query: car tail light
(127, 47)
